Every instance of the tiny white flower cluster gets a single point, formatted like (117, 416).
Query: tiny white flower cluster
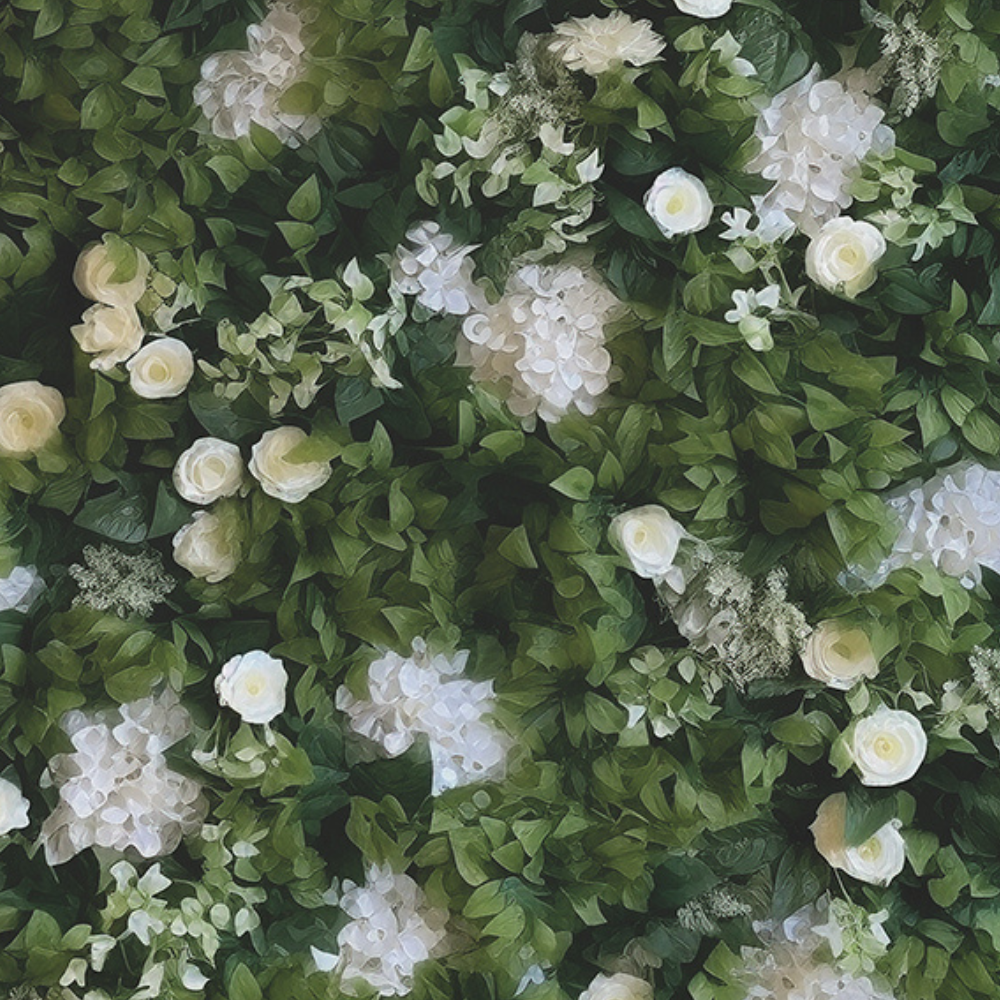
(423, 694)
(598, 45)
(239, 89)
(112, 580)
(392, 930)
(115, 789)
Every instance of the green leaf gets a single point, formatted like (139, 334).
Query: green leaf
(120, 516)
(575, 484)
(304, 204)
(243, 985)
(631, 216)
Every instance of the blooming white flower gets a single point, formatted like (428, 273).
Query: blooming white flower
(839, 655)
(253, 685)
(887, 747)
(755, 329)
(209, 546)
(115, 788)
(649, 537)
(620, 986)
(543, 342)
(678, 202)
(162, 369)
(94, 277)
(842, 256)
(209, 470)
(30, 415)
(877, 861)
(281, 478)
(13, 808)
(704, 8)
(436, 271)
(596, 45)
(20, 589)
(112, 333)
(813, 137)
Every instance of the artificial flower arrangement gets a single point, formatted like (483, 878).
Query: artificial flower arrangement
(499, 500)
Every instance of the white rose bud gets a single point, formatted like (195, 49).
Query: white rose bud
(877, 861)
(253, 685)
(112, 333)
(678, 203)
(209, 470)
(620, 986)
(209, 546)
(888, 747)
(93, 277)
(30, 415)
(648, 537)
(842, 256)
(280, 478)
(162, 369)
(20, 590)
(704, 8)
(838, 655)
(13, 808)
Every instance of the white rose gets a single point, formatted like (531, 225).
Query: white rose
(279, 478)
(13, 808)
(838, 655)
(678, 203)
(209, 470)
(162, 369)
(209, 546)
(620, 986)
(93, 276)
(888, 747)
(253, 685)
(842, 256)
(30, 415)
(112, 333)
(20, 589)
(648, 537)
(704, 8)
(877, 861)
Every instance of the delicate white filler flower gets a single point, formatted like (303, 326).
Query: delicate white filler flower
(596, 45)
(20, 589)
(209, 470)
(162, 369)
(747, 305)
(877, 861)
(839, 655)
(888, 747)
(253, 685)
(842, 256)
(13, 808)
(679, 203)
(111, 333)
(30, 415)
(281, 478)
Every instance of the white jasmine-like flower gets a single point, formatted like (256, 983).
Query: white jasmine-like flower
(544, 342)
(678, 202)
(30, 415)
(13, 808)
(210, 545)
(877, 861)
(747, 305)
(436, 271)
(839, 655)
(704, 8)
(281, 478)
(842, 256)
(253, 685)
(20, 589)
(648, 537)
(620, 986)
(813, 137)
(162, 369)
(209, 470)
(888, 747)
(115, 788)
(94, 274)
(111, 333)
(596, 45)
(392, 930)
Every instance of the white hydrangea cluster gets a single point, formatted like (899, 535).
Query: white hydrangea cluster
(436, 270)
(115, 789)
(240, 88)
(813, 137)
(423, 694)
(597, 45)
(544, 341)
(392, 930)
(20, 589)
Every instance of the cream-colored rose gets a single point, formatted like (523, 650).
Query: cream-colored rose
(838, 655)
(209, 470)
(704, 8)
(209, 546)
(877, 861)
(162, 369)
(887, 747)
(678, 203)
(648, 537)
(111, 333)
(13, 808)
(280, 478)
(30, 415)
(842, 256)
(94, 272)
(620, 986)
(253, 685)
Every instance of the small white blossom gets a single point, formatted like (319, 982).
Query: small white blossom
(747, 307)
(436, 270)
(20, 589)
(596, 45)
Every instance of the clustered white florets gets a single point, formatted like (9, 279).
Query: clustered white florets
(238, 89)
(813, 137)
(115, 789)
(425, 694)
(436, 270)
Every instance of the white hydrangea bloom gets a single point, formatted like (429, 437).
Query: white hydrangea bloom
(425, 694)
(20, 589)
(241, 88)
(596, 45)
(813, 137)
(436, 270)
(544, 342)
(115, 789)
